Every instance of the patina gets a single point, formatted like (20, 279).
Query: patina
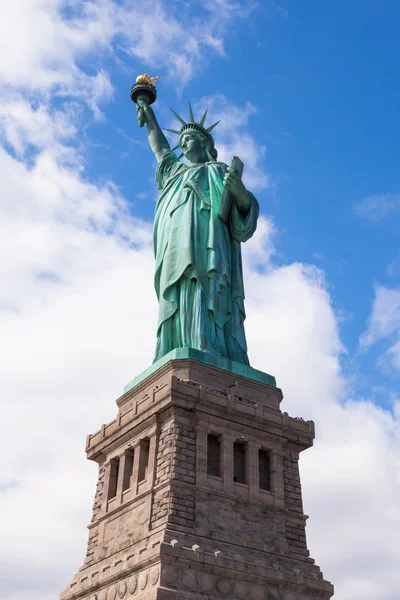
(198, 276)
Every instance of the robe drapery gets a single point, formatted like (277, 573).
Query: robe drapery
(198, 276)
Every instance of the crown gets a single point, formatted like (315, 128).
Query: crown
(193, 125)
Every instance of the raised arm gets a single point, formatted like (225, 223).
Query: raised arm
(157, 140)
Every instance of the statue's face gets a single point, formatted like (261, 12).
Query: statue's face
(192, 146)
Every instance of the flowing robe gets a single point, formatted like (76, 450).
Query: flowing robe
(198, 277)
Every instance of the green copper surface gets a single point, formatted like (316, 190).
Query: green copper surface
(207, 359)
(198, 275)
(198, 278)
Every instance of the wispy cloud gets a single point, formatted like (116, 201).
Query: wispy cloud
(43, 43)
(384, 324)
(378, 208)
(385, 316)
(174, 36)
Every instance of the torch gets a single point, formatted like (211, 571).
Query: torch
(144, 91)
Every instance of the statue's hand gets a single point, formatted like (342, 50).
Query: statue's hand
(142, 111)
(234, 184)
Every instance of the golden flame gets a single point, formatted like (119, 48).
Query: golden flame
(146, 79)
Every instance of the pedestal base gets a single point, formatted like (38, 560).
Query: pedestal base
(199, 492)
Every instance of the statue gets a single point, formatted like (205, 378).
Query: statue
(198, 275)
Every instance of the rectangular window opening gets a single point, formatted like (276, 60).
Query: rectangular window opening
(128, 470)
(112, 484)
(264, 470)
(213, 456)
(144, 448)
(239, 462)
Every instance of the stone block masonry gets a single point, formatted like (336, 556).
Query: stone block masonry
(199, 494)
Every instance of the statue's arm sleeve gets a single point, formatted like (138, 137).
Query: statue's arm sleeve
(168, 166)
(242, 227)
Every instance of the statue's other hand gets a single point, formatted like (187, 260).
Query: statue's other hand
(233, 182)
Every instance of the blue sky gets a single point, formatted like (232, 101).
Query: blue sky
(308, 94)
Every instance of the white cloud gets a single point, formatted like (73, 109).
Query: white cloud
(39, 47)
(378, 208)
(258, 253)
(385, 317)
(24, 126)
(71, 305)
(384, 324)
(291, 306)
(351, 488)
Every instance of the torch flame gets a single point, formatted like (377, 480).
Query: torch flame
(146, 79)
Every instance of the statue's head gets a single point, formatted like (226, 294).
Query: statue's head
(196, 147)
(195, 140)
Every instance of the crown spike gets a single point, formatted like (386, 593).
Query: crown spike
(178, 117)
(212, 126)
(179, 157)
(203, 118)
(176, 148)
(172, 130)
(191, 114)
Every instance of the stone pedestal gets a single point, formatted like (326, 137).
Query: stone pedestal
(199, 494)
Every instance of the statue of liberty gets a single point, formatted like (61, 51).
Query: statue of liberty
(198, 274)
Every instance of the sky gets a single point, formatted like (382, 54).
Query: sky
(308, 96)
